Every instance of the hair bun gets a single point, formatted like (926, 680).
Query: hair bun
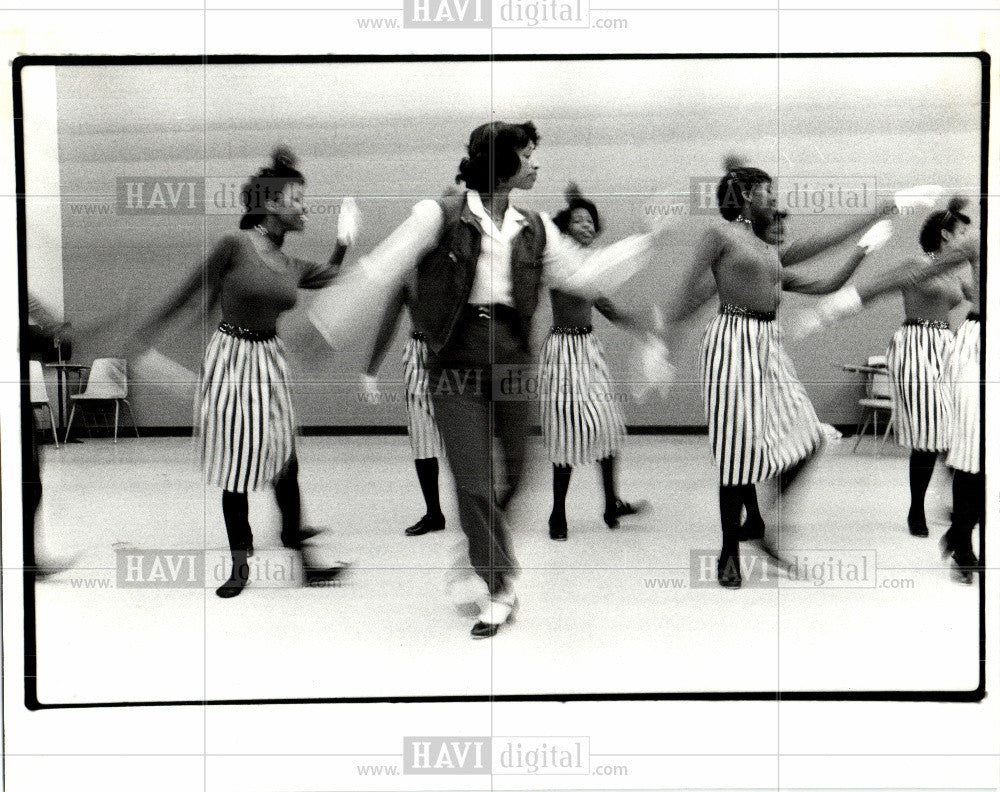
(572, 192)
(732, 162)
(283, 157)
(957, 204)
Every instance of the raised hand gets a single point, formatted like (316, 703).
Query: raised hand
(348, 222)
(876, 236)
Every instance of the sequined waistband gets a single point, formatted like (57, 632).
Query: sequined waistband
(582, 330)
(740, 310)
(245, 334)
(418, 336)
(935, 323)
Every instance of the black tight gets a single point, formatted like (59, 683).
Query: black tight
(236, 511)
(968, 502)
(427, 475)
(921, 470)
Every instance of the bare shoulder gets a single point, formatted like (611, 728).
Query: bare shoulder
(718, 234)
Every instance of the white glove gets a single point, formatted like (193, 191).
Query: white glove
(372, 394)
(876, 236)
(655, 371)
(348, 222)
(830, 309)
(925, 195)
(839, 305)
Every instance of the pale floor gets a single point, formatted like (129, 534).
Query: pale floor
(606, 612)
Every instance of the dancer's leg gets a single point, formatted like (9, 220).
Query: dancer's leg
(730, 506)
(433, 519)
(921, 470)
(560, 486)
(235, 512)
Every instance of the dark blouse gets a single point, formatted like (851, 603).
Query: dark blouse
(253, 293)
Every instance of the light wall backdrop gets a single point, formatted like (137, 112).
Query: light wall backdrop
(632, 133)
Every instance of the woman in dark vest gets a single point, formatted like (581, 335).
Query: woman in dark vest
(479, 269)
(244, 408)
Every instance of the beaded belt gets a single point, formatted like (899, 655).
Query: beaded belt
(739, 310)
(973, 316)
(582, 330)
(418, 336)
(245, 334)
(935, 323)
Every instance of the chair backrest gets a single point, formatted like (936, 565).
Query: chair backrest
(107, 379)
(36, 381)
(878, 386)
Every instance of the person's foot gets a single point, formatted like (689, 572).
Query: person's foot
(558, 530)
(238, 578)
(964, 566)
(47, 567)
(622, 509)
(426, 524)
(295, 541)
(320, 576)
(768, 549)
(752, 530)
(917, 524)
(728, 569)
(494, 616)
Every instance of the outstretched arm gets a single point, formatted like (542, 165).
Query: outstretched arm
(802, 250)
(208, 276)
(850, 300)
(794, 280)
(317, 276)
(914, 271)
(633, 323)
(386, 332)
(699, 282)
(348, 223)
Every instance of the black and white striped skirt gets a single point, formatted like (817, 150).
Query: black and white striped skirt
(915, 358)
(425, 438)
(581, 422)
(962, 380)
(760, 419)
(244, 410)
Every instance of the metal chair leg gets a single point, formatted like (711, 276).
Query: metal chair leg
(117, 407)
(888, 428)
(69, 423)
(52, 422)
(861, 434)
(131, 415)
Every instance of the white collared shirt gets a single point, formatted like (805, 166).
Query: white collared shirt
(585, 272)
(492, 282)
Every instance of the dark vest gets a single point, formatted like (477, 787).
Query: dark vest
(445, 274)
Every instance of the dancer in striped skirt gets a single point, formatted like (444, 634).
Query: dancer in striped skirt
(425, 438)
(915, 359)
(761, 422)
(581, 422)
(950, 242)
(244, 408)
(943, 234)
